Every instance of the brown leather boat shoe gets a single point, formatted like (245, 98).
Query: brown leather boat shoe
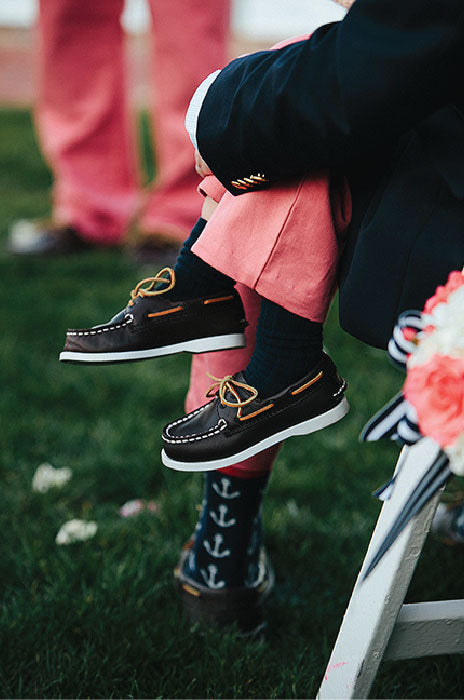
(238, 424)
(152, 325)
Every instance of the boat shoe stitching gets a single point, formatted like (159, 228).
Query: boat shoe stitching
(215, 301)
(130, 319)
(157, 314)
(214, 430)
(220, 425)
(341, 389)
(306, 385)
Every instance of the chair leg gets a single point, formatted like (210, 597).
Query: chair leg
(375, 603)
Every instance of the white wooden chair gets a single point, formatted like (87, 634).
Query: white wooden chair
(376, 624)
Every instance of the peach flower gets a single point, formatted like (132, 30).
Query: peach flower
(436, 390)
(455, 280)
(410, 334)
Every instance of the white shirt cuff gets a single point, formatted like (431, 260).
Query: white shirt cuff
(195, 105)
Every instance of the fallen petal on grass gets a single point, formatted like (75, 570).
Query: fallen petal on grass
(76, 530)
(137, 506)
(47, 477)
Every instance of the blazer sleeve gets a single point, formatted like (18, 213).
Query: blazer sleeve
(348, 91)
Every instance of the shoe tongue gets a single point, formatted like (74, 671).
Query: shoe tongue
(238, 377)
(120, 316)
(241, 391)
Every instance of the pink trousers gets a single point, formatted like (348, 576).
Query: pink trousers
(283, 244)
(85, 128)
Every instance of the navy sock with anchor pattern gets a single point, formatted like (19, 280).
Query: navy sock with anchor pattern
(228, 536)
(194, 277)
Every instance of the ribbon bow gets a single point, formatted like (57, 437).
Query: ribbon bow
(398, 421)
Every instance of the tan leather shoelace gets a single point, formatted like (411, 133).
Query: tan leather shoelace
(225, 385)
(160, 277)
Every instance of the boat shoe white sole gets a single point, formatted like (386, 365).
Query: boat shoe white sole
(237, 424)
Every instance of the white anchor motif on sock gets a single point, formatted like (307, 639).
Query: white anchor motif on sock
(215, 552)
(191, 560)
(224, 490)
(210, 577)
(220, 519)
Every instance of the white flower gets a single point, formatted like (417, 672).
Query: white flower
(449, 317)
(423, 352)
(76, 531)
(447, 337)
(47, 477)
(451, 312)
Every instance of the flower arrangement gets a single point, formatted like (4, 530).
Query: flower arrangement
(434, 384)
(429, 344)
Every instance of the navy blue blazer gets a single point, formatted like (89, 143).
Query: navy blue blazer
(378, 96)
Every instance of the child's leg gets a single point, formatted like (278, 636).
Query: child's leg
(260, 237)
(220, 364)
(283, 242)
(287, 244)
(227, 542)
(226, 550)
(193, 276)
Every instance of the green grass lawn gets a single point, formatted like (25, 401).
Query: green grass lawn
(100, 618)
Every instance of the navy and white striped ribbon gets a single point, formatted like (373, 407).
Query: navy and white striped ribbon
(399, 348)
(435, 477)
(395, 421)
(398, 419)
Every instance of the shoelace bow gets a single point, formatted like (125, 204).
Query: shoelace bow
(140, 291)
(227, 385)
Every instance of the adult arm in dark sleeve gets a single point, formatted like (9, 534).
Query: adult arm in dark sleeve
(337, 98)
